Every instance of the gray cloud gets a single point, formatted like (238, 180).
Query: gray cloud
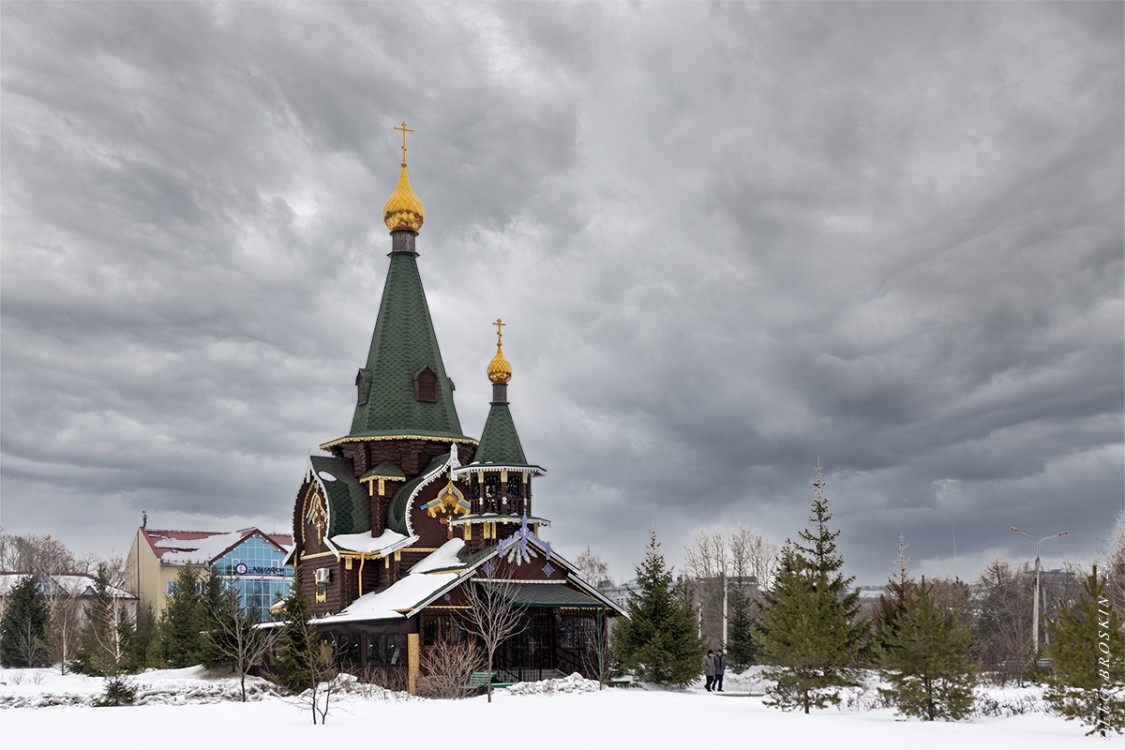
(729, 239)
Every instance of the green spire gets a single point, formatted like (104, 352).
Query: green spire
(403, 390)
(500, 443)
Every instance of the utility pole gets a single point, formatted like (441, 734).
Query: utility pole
(724, 579)
(1035, 604)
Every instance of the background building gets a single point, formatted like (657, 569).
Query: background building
(78, 586)
(250, 560)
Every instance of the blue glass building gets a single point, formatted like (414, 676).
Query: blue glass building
(254, 569)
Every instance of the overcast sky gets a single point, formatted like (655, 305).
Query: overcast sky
(729, 241)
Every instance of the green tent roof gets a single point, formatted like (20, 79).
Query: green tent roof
(500, 443)
(403, 344)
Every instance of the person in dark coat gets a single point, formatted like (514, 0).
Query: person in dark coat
(720, 667)
(709, 669)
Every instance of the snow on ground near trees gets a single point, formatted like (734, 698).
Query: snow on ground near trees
(190, 708)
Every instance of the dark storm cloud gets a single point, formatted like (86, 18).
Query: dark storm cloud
(729, 240)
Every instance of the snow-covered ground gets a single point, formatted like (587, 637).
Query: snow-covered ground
(189, 708)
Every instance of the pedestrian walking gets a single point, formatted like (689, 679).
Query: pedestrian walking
(709, 670)
(720, 667)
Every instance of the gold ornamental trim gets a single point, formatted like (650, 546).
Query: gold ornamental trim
(378, 438)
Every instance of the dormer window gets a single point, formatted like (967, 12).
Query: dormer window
(362, 387)
(425, 385)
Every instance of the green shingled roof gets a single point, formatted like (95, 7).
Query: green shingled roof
(385, 469)
(396, 512)
(549, 595)
(500, 443)
(349, 510)
(402, 345)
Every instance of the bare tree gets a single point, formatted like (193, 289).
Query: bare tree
(38, 554)
(743, 552)
(102, 650)
(1003, 624)
(493, 615)
(63, 634)
(707, 555)
(322, 666)
(594, 646)
(719, 557)
(448, 668)
(235, 638)
(593, 569)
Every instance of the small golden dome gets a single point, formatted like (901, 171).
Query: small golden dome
(499, 371)
(403, 210)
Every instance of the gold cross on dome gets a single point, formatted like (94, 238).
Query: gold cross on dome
(499, 333)
(404, 130)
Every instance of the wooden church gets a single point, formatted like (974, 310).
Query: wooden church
(409, 516)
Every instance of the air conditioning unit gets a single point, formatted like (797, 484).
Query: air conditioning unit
(322, 575)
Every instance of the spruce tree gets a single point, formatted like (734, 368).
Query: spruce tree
(1087, 651)
(926, 656)
(143, 651)
(181, 622)
(893, 600)
(808, 629)
(741, 651)
(297, 643)
(659, 642)
(220, 610)
(23, 629)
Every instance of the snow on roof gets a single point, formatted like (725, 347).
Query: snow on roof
(74, 584)
(203, 547)
(386, 542)
(444, 556)
(176, 550)
(398, 599)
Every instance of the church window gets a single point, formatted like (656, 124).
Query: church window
(363, 387)
(348, 649)
(321, 576)
(386, 650)
(491, 485)
(425, 385)
(442, 629)
(474, 488)
(515, 486)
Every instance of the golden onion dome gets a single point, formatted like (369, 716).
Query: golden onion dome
(499, 371)
(403, 210)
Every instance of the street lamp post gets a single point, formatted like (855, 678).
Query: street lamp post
(1035, 604)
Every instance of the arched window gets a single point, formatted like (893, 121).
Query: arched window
(425, 385)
